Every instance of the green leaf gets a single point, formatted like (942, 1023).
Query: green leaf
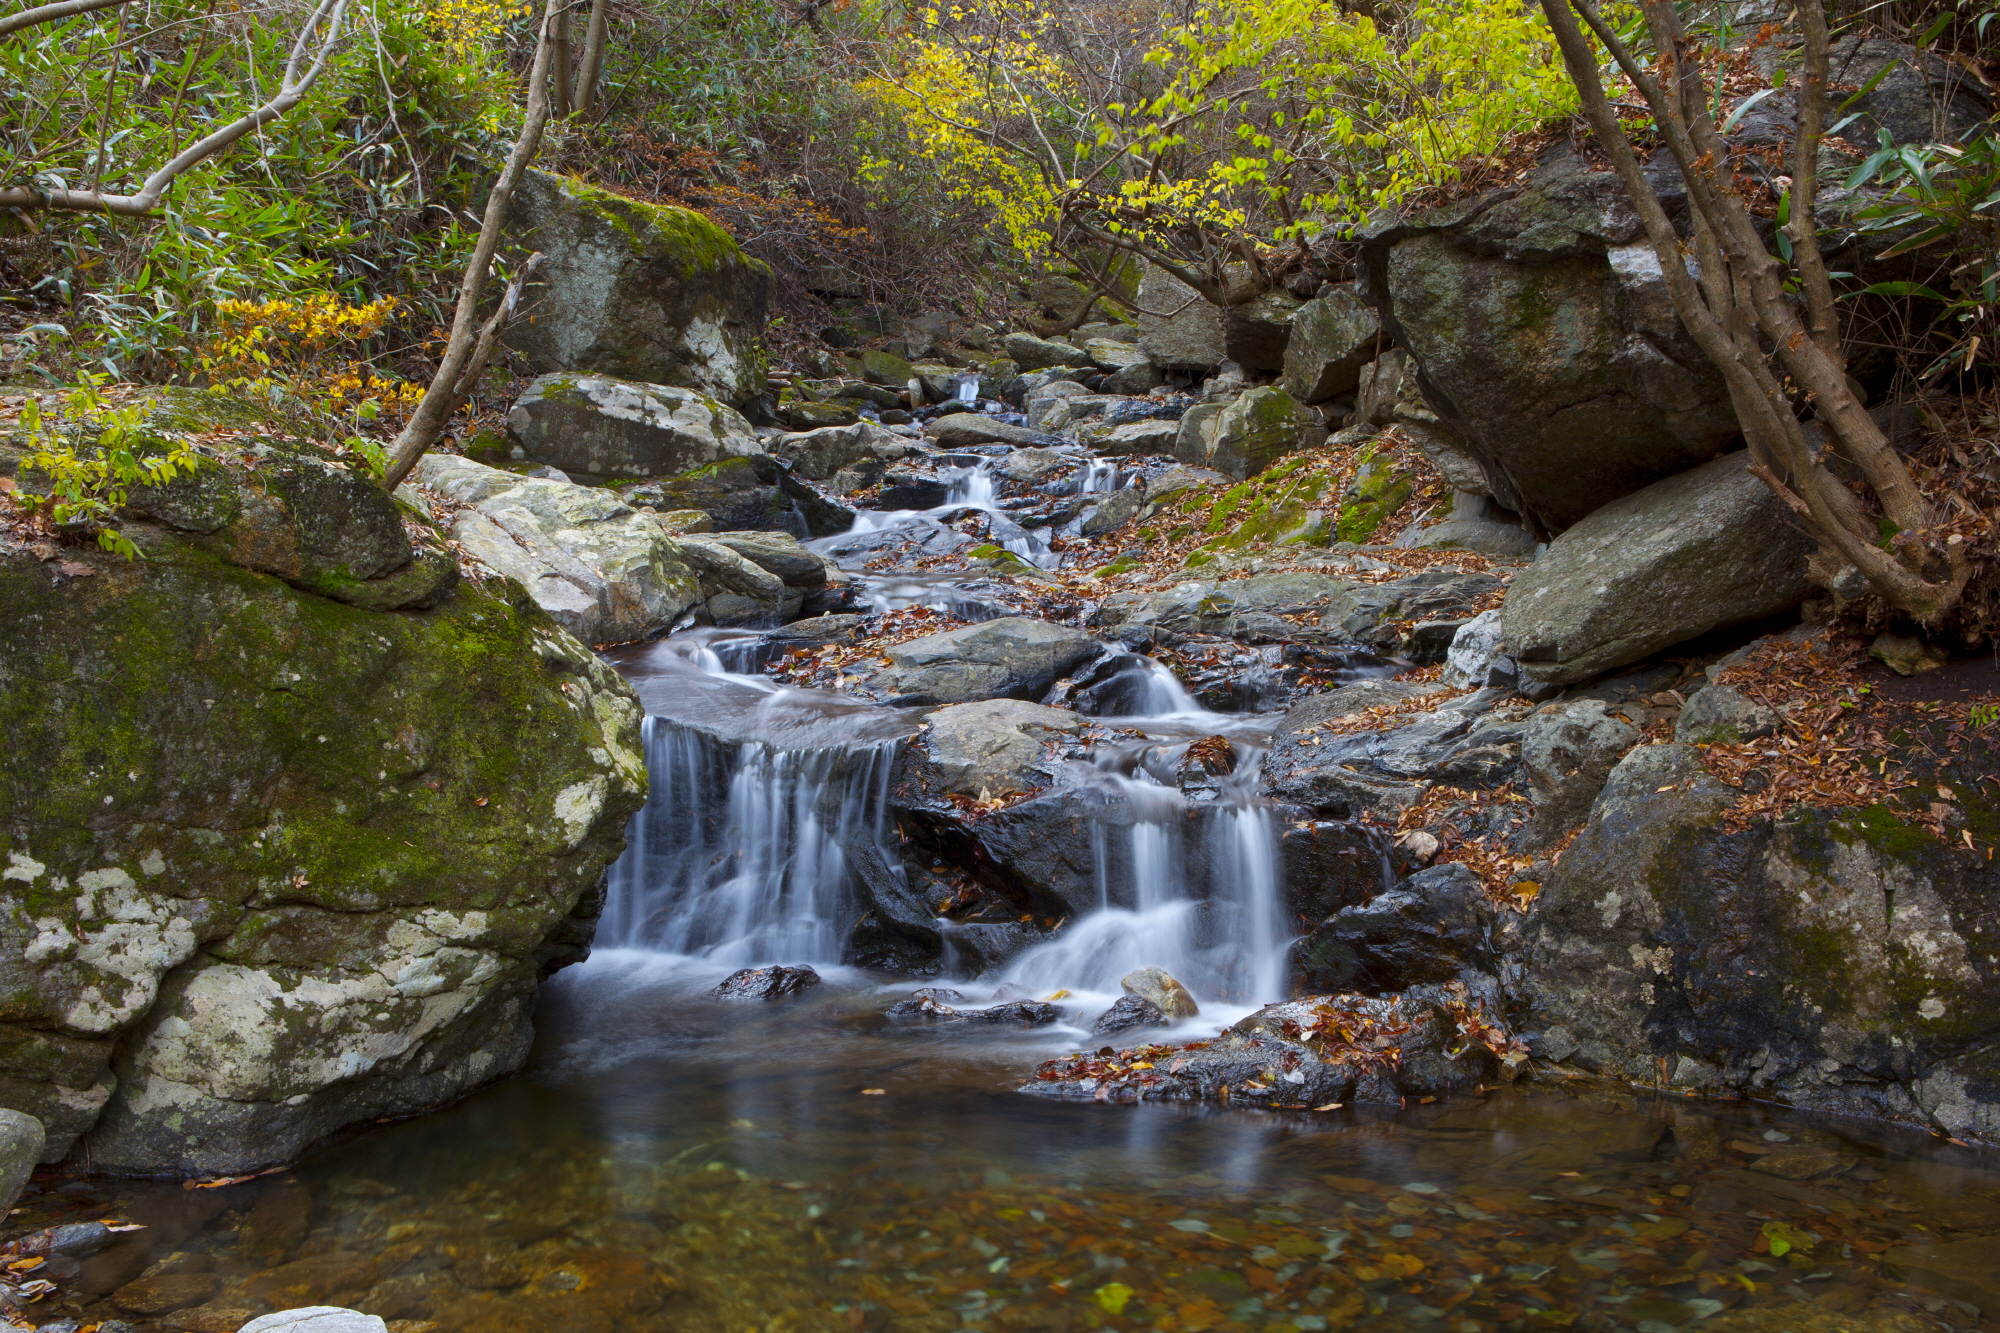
(1113, 1296)
(1903, 289)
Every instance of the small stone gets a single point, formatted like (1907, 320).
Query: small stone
(1156, 986)
(1719, 715)
(766, 983)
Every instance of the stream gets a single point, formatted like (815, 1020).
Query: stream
(671, 1161)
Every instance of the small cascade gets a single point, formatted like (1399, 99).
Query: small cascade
(1097, 477)
(1188, 885)
(759, 795)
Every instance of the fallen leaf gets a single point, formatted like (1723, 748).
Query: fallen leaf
(874, 1092)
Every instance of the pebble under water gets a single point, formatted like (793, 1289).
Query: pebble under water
(673, 1162)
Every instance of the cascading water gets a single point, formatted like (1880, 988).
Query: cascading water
(760, 798)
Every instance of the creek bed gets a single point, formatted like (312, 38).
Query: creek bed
(671, 1162)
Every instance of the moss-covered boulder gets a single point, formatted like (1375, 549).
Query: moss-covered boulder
(598, 428)
(1244, 437)
(642, 291)
(276, 863)
(1836, 959)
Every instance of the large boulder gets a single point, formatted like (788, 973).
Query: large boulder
(1699, 551)
(276, 864)
(1032, 353)
(1333, 336)
(605, 571)
(1540, 324)
(1256, 332)
(599, 428)
(995, 746)
(1010, 658)
(646, 292)
(1178, 328)
(1833, 960)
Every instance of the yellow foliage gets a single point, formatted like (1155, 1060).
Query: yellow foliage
(257, 341)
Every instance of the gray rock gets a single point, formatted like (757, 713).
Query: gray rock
(1567, 752)
(594, 426)
(1113, 512)
(1383, 383)
(1502, 541)
(1128, 438)
(1115, 353)
(1430, 928)
(995, 746)
(968, 428)
(1032, 465)
(1013, 657)
(1113, 330)
(752, 492)
(1248, 435)
(820, 454)
(1255, 333)
(316, 1319)
(1333, 336)
(1032, 353)
(22, 1141)
(1183, 331)
(781, 554)
(1252, 609)
(606, 572)
(1700, 551)
(1128, 1013)
(1474, 646)
(1141, 377)
(737, 590)
(1367, 613)
(1719, 715)
(1044, 398)
(646, 292)
(1159, 988)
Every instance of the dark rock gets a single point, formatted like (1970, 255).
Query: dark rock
(1567, 751)
(154, 1296)
(1430, 928)
(755, 493)
(766, 983)
(75, 1239)
(22, 1141)
(912, 490)
(1255, 333)
(1700, 551)
(1029, 1013)
(1129, 1012)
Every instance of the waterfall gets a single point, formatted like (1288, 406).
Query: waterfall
(758, 795)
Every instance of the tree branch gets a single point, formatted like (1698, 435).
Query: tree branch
(442, 398)
(63, 9)
(292, 88)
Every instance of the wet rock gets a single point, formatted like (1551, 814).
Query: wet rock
(155, 1296)
(603, 570)
(1383, 771)
(74, 1239)
(995, 746)
(1128, 1013)
(331, 1277)
(1030, 466)
(912, 490)
(22, 1140)
(1332, 337)
(646, 292)
(1706, 549)
(594, 426)
(1127, 438)
(1012, 657)
(739, 591)
(1033, 353)
(1965, 1269)
(1430, 928)
(316, 1319)
(1028, 1013)
(1187, 332)
(765, 983)
(962, 429)
(1159, 989)
(1330, 865)
(1719, 715)
(819, 455)
(1567, 752)
(1248, 435)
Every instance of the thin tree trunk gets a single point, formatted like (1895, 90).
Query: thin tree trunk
(559, 63)
(594, 39)
(442, 398)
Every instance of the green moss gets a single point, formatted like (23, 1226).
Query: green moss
(694, 242)
(1878, 827)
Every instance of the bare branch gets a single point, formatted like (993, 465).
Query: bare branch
(63, 9)
(292, 88)
(443, 396)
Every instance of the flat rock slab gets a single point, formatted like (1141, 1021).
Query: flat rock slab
(1010, 658)
(995, 746)
(597, 426)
